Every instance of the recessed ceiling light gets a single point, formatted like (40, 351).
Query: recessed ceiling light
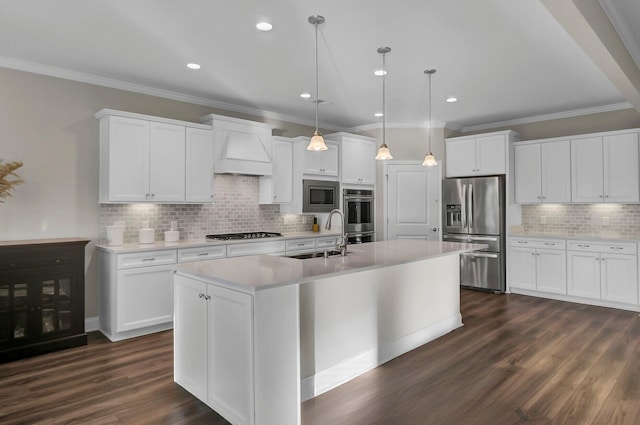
(378, 114)
(264, 26)
(379, 72)
(305, 95)
(193, 66)
(452, 99)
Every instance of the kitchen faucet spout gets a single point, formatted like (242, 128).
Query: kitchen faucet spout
(343, 238)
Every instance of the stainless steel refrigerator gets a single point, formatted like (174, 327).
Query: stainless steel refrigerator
(474, 211)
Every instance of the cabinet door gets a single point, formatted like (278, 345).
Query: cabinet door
(128, 160)
(522, 268)
(199, 166)
(190, 336)
(230, 341)
(491, 155)
(144, 297)
(358, 161)
(551, 270)
(322, 163)
(460, 158)
(282, 171)
(556, 171)
(528, 178)
(166, 162)
(586, 170)
(583, 274)
(620, 156)
(620, 278)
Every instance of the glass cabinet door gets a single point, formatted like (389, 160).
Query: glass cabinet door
(15, 307)
(56, 301)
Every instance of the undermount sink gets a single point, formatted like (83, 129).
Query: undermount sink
(307, 255)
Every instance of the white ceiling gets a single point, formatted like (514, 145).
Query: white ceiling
(503, 59)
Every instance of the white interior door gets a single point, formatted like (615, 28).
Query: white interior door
(412, 204)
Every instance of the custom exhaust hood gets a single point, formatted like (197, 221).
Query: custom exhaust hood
(241, 146)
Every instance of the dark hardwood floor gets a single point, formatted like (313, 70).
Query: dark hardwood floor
(517, 360)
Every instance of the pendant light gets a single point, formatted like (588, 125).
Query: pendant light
(383, 152)
(429, 159)
(317, 141)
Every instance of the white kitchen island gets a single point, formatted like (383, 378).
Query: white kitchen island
(256, 335)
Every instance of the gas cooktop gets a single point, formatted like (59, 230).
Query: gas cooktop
(243, 235)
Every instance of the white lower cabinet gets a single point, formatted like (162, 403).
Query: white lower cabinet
(136, 292)
(538, 264)
(603, 271)
(213, 336)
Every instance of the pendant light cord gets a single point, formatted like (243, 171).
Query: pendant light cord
(317, 84)
(384, 106)
(430, 112)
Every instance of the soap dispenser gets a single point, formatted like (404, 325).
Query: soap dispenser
(316, 228)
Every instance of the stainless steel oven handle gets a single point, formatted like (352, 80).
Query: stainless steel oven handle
(480, 254)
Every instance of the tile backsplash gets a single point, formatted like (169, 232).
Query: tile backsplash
(235, 209)
(582, 220)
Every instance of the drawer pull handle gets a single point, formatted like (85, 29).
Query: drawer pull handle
(203, 254)
(619, 248)
(523, 242)
(149, 259)
(584, 246)
(301, 244)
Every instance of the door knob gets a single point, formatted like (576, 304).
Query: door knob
(434, 229)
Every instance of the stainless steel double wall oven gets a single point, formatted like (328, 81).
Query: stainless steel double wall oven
(358, 206)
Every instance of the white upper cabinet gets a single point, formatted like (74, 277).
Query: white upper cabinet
(278, 188)
(241, 146)
(166, 162)
(542, 172)
(321, 163)
(357, 159)
(199, 166)
(478, 155)
(152, 159)
(605, 168)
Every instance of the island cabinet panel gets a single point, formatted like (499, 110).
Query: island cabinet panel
(233, 350)
(41, 297)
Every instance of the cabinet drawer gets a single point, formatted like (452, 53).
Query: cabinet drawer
(147, 258)
(255, 248)
(326, 242)
(301, 244)
(538, 243)
(202, 253)
(618, 248)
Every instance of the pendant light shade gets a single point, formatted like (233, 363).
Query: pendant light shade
(429, 159)
(317, 141)
(383, 152)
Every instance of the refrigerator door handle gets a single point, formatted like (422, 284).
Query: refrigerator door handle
(463, 208)
(470, 212)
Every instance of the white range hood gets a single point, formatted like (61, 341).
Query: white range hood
(241, 146)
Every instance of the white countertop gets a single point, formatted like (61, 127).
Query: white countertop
(259, 272)
(192, 243)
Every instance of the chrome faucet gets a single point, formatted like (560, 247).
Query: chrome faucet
(343, 238)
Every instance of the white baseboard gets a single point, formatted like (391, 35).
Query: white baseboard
(348, 369)
(91, 324)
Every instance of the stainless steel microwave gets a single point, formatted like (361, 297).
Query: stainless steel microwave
(320, 196)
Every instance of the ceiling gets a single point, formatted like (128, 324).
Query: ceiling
(504, 60)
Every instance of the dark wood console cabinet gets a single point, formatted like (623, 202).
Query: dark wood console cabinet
(41, 296)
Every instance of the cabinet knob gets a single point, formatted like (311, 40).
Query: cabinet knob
(200, 295)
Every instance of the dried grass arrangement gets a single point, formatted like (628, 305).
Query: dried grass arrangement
(8, 177)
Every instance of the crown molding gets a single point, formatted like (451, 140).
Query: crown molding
(378, 126)
(549, 117)
(67, 74)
